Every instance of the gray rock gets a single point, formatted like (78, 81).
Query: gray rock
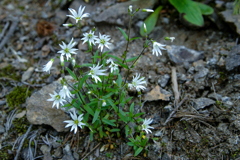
(201, 103)
(163, 80)
(232, 20)
(76, 156)
(40, 111)
(47, 156)
(58, 153)
(158, 133)
(222, 127)
(67, 153)
(56, 144)
(118, 13)
(67, 157)
(200, 74)
(181, 54)
(2, 129)
(45, 149)
(24, 152)
(27, 74)
(237, 76)
(215, 96)
(156, 119)
(166, 157)
(233, 58)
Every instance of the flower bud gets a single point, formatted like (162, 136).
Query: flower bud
(73, 62)
(90, 92)
(62, 60)
(145, 28)
(170, 38)
(104, 103)
(67, 25)
(147, 10)
(93, 29)
(130, 8)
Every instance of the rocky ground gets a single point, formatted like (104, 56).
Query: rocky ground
(192, 92)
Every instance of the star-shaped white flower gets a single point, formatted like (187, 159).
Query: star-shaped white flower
(75, 123)
(65, 92)
(56, 98)
(156, 48)
(89, 37)
(113, 67)
(68, 49)
(109, 61)
(96, 71)
(78, 16)
(137, 82)
(145, 125)
(48, 66)
(103, 41)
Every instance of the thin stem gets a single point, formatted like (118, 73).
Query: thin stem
(125, 52)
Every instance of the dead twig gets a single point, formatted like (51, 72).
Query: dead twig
(4, 30)
(21, 144)
(175, 85)
(9, 34)
(175, 110)
(92, 150)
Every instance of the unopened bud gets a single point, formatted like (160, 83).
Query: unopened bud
(67, 25)
(104, 103)
(73, 62)
(93, 29)
(147, 10)
(145, 28)
(130, 8)
(62, 60)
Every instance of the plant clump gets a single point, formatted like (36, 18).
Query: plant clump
(10, 72)
(17, 96)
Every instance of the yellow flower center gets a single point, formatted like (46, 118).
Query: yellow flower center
(90, 36)
(57, 97)
(102, 41)
(76, 122)
(66, 50)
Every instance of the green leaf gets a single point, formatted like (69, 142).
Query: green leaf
(101, 132)
(115, 57)
(151, 21)
(95, 56)
(135, 38)
(123, 65)
(80, 84)
(119, 81)
(139, 150)
(131, 110)
(124, 34)
(126, 130)
(190, 9)
(105, 53)
(138, 114)
(108, 122)
(71, 73)
(95, 117)
(130, 143)
(205, 9)
(143, 143)
(86, 65)
(131, 59)
(88, 109)
(91, 136)
(112, 104)
(115, 130)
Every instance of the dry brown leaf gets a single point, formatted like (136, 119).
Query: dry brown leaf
(44, 28)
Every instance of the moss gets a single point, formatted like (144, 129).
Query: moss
(20, 125)
(4, 153)
(10, 72)
(17, 96)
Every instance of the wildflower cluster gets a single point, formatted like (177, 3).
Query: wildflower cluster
(102, 91)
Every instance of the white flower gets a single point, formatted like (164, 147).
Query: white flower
(156, 48)
(48, 66)
(65, 92)
(68, 49)
(67, 25)
(147, 10)
(89, 37)
(95, 71)
(171, 38)
(75, 122)
(145, 125)
(109, 61)
(137, 82)
(130, 8)
(103, 41)
(113, 67)
(56, 98)
(78, 16)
